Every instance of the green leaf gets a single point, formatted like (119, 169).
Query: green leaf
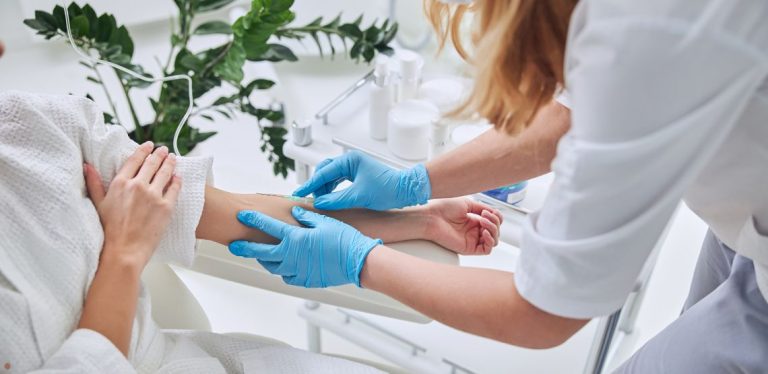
(368, 54)
(93, 79)
(46, 20)
(225, 100)
(277, 6)
(109, 119)
(209, 5)
(231, 67)
(93, 20)
(36, 25)
(74, 10)
(255, 40)
(224, 113)
(372, 34)
(352, 30)
(80, 26)
(213, 27)
(208, 117)
(107, 25)
(356, 50)
(260, 84)
(277, 52)
(135, 82)
(121, 37)
(58, 14)
(188, 62)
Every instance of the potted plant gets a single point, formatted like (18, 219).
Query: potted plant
(253, 37)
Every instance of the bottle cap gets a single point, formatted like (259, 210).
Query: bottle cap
(410, 65)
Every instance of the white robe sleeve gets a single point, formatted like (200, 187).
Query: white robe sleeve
(107, 147)
(86, 351)
(652, 102)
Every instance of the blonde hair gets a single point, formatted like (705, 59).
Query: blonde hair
(518, 48)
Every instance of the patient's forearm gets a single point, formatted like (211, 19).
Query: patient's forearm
(219, 220)
(110, 305)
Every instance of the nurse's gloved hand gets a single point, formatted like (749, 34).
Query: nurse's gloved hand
(325, 253)
(375, 185)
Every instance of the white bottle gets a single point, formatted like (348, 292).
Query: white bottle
(381, 99)
(410, 75)
(446, 94)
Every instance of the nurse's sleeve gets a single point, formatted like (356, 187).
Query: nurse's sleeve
(107, 147)
(651, 105)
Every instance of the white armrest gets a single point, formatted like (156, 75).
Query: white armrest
(214, 259)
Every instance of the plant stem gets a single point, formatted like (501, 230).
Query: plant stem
(170, 53)
(106, 92)
(289, 31)
(218, 58)
(139, 132)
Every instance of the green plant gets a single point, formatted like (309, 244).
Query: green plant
(253, 37)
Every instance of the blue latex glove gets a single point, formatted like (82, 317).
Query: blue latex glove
(375, 185)
(326, 253)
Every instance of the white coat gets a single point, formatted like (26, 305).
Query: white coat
(669, 101)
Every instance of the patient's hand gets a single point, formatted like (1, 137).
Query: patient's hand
(137, 208)
(464, 226)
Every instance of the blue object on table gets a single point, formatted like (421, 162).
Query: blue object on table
(512, 194)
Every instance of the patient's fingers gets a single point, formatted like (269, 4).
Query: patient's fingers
(487, 242)
(491, 216)
(134, 162)
(172, 194)
(93, 184)
(164, 175)
(152, 164)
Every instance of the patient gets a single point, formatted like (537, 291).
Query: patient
(70, 295)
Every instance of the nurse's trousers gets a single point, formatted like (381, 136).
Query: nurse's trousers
(724, 324)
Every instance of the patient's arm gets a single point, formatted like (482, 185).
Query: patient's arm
(460, 225)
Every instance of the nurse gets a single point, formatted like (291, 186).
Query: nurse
(658, 101)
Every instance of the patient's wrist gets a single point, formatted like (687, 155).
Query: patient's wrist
(126, 262)
(431, 223)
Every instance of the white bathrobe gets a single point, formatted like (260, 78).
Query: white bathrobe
(51, 238)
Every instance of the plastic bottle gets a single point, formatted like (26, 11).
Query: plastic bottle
(381, 99)
(446, 94)
(410, 75)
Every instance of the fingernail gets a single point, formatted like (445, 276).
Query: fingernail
(147, 144)
(163, 149)
(172, 156)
